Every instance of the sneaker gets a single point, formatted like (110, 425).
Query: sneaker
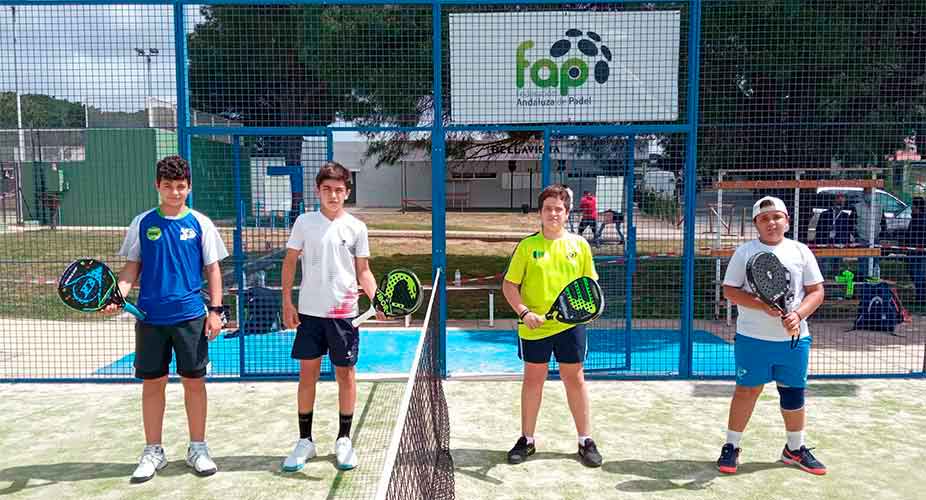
(729, 457)
(804, 459)
(344, 453)
(589, 454)
(152, 460)
(521, 451)
(302, 453)
(197, 457)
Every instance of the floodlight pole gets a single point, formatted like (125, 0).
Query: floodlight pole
(19, 125)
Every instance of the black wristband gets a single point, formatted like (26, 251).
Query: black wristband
(524, 313)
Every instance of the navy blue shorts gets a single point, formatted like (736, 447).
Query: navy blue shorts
(154, 344)
(569, 346)
(335, 337)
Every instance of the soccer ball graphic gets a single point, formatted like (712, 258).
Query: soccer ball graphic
(588, 44)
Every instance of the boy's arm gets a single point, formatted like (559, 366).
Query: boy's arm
(813, 297)
(745, 299)
(214, 319)
(290, 313)
(365, 277)
(214, 277)
(512, 293)
(367, 281)
(128, 275)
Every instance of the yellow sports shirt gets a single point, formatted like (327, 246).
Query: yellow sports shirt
(543, 268)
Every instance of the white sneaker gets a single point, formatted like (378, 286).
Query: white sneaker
(303, 452)
(152, 460)
(344, 452)
(197, 457)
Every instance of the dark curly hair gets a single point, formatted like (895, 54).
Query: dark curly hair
(334, 171)
(174, 168)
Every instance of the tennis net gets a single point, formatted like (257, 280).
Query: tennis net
(418, 463)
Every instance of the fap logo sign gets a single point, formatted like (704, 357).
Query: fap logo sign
(561, 67)
(576, 53)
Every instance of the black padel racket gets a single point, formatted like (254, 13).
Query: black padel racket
(580, 302)
(399, 294)
(770, 280)
(89, 285)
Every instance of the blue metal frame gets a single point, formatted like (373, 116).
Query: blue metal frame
(238, 249)
(438, 195)
(630, 247)
(691, 181)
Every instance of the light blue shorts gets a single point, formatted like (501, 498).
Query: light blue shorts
(758, 362)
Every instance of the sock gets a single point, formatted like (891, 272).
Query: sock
(795, 440)
(344, 423)
(530, 440)
(582, 440)
(197, 443)
(734, 437)
(305, 426)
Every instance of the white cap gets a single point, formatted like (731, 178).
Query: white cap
(776, 206)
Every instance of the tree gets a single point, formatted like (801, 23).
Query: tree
(40, 111)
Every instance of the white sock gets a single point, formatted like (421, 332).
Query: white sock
(734, 437)
(582, 440)
(530, 439)
(795, 440)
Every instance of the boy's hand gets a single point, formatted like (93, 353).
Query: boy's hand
(381, 316)
(290, 316)
(213, 325)
(533, 320)
(109, 309)
(792, 321)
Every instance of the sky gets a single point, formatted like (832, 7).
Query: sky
(87, 53)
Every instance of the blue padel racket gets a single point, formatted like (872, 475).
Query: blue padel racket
(89, 285)
(580, 302)
(399, 294)
(770, 281)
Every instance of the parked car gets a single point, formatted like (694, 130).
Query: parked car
(896, 212)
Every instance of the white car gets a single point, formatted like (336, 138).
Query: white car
(896, 212)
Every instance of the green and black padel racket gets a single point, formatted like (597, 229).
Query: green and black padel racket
(580, 302)
(399, 294)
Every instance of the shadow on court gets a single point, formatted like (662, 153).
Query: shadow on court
(663, 475)
(48, 474)
(478, 462)
(815, 389)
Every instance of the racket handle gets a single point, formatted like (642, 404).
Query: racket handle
(363, 317)
(134, 311)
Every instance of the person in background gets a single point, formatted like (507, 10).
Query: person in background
(915, 236)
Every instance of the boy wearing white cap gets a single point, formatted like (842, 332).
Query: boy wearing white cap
(764, 349)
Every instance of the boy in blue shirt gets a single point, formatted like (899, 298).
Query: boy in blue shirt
(176, 245)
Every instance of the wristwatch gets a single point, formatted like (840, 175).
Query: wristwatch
(216, 309)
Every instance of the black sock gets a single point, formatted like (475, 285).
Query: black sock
(305, 426)
(344, 423)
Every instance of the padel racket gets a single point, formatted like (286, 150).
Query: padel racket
(580, 302)
(399, 294)
(770, 280)
(89, 285)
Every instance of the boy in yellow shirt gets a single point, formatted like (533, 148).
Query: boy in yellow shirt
(541, 267)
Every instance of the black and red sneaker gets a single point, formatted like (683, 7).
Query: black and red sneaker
(804, 459)
(729, 457)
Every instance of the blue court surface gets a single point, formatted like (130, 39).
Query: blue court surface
(653, 352)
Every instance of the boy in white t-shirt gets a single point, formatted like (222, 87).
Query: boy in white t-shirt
(764, 347)
(335, 252)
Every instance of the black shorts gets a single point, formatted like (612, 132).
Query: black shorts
(154, 343)
(336, 337)
(569, 346)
